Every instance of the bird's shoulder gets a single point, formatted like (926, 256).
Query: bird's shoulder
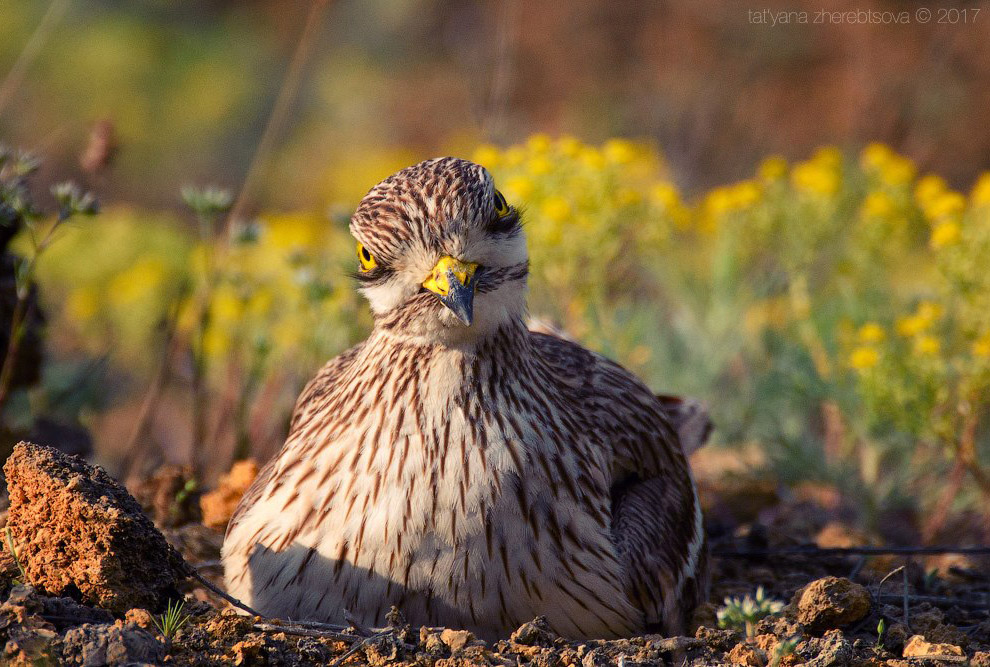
(593, 377)
(324, 381)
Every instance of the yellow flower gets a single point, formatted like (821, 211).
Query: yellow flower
(486, 155)
(945, 233)
(928, 188)
(514, 156)
(910, 325)
(216, 342)
(898, 170)
(864, 357)
(929, 311)
(556, 209)
(815, 177)
(875, 155)
(619, 151)
(82, 304)
(519, 188)
(773, 168)
(539, 143)
(745, 194)
(293, 231)
(944, 205)
(981, 347)
(871, 332)
(981, 190)
(927, 346)
(666, 195)
(569, 146)
(137, 283)
(828, 156)
(718, 201)
(628, 197)
(225, 307)
(539, 165)
(592, 158)
(878, 205)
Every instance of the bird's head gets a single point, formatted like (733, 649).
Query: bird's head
(441, 254)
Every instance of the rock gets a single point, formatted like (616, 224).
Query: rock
(218, 505)
(141, 618)
(718, 640)
(918, 647)
(596, 658)
(66, 612)
(456, 639)
(832, 650)
(930, 622)
(980, 659)
(110, 644)
(895, 637)
(831, 602)
(383, 650)
(78, 531)
(429, 641)
(747, 655)
(535, 633)
(28, 647)
(29, 637)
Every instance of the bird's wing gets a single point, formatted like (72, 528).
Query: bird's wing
(689, 416)
(310, 397)
(656, 516)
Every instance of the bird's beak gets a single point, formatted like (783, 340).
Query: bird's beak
(453, 281)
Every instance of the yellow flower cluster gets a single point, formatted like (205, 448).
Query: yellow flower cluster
(821, 175)
(595, 216)
(880, 161)
(282, 292)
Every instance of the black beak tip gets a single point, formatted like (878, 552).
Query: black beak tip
(464, 310)
(460, 301)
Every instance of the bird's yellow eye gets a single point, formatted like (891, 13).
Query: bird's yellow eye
(501, 206)
(366, 258)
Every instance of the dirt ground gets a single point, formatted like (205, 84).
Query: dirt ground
(835, 603)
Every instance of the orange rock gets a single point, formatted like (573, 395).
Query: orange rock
(831, 602)
(218, 505)
(747, 655)
(918, 647)
(78, 532)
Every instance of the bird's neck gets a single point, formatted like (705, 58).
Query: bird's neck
(511, 337)
(460, 362)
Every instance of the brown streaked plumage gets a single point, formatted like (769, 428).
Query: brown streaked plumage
(468, 470)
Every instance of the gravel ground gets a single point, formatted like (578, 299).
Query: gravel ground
(834, 603)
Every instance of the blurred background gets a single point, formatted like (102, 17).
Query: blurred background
(790, 220)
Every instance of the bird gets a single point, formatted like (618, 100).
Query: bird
(468, 470)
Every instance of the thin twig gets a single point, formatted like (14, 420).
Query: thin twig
(857, 568)
(886, 577)
(302, 631)
(357, 647)
(218, 591)
(158, 382)
(31, 50)
(850, 551)
(904, 592)
(283, 103)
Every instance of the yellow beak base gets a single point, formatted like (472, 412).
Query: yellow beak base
(452, 281)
